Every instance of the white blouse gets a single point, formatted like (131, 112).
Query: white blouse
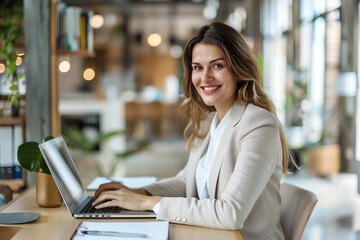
(206, 161)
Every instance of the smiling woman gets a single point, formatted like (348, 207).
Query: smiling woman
(212, 78)
(238, 152)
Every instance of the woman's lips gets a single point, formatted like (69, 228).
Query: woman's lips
(210, 89)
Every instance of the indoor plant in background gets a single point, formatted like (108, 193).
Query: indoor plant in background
(31, 159)
(11, 12)
(78, 140)
(324, 156)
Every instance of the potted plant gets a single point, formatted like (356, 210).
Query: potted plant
(76, 139)
(31, 159)
(11, 12)
(324, 156)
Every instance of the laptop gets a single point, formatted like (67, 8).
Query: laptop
(68, 181)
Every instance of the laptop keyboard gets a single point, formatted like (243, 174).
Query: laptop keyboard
(90, 209)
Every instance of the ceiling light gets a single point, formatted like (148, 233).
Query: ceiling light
(64, 66)
(18, 61)
(154, 39)
(97, 21)
(2, 68)
(89, 74)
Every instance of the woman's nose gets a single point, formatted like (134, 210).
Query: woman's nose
(207, 75)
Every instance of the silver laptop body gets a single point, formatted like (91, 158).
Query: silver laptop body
(68, 181)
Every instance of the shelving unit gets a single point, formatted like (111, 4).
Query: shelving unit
(16, 185)
(110, 112)
(76, 53)
(8, 121)
(54, 77)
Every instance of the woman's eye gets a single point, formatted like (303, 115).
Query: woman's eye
(217, 65)
(196, 67)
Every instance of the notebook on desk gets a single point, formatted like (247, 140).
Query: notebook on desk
(151, 230)
(71, 187)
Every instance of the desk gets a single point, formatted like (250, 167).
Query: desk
(57, 223)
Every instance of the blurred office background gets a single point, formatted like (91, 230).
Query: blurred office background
(131, 80)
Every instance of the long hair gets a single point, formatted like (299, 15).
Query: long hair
(244, 66)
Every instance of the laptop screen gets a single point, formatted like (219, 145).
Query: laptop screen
(63, 169)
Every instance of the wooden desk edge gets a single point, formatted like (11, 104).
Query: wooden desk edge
(178, 228)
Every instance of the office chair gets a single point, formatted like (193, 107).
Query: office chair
(297, 205)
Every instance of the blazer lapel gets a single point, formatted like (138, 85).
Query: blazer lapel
(195, 157)
(236, 113)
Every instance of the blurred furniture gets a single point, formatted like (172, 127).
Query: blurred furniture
(152, 115)
(179, 119)
(154, 119)
(57, 223)
(111, 117)
(297, 205)
(132, 117)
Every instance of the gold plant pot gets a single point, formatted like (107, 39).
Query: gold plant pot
(47, 193)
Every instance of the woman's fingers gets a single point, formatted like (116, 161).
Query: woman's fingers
(106, 196)
(109, 186)
(112, 203)
(122, 198)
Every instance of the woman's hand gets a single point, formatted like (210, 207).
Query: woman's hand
(117, 194)
(109, 186)
(125, 198)
(117, 185)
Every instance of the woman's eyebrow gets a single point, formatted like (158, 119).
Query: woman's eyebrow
(217, 59)
(214, 60)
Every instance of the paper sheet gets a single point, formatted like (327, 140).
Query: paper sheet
(158, 230)
(131, 182)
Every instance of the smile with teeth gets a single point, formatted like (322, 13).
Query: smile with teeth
(210, 88)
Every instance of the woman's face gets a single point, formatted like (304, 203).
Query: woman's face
(212, 77)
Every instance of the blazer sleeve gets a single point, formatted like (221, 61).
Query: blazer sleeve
(257, 154)
(170, 187)
(176, 186)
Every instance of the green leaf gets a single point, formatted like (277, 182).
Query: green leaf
(20, 75)
(30, 158)
(108, 135)
(13, 88)
(9, 48)
(76, 139)
(48, 138)
(9, 71)
(14, 98)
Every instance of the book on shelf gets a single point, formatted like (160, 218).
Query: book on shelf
(10, 139)
(17, 141)
(60, 31)
(89, 32)
(74, 32)
(6, 153)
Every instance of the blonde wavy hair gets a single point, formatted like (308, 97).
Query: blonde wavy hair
(244, 66)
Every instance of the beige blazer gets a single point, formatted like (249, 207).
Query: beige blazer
(244, 184)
